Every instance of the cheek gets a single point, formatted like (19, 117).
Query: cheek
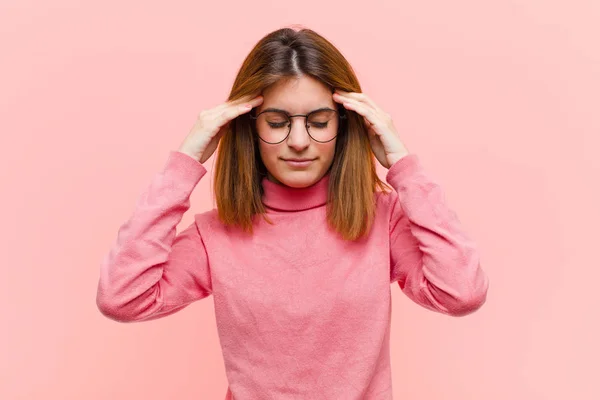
(328, 151)
(268, 153)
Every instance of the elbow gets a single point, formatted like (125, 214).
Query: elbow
(122, 309)
(108, 309)
(471, 301)
(468, 305)
(111, 309)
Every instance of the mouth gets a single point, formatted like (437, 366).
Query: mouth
(299, 162)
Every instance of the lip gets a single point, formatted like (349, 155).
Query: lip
(299, 162)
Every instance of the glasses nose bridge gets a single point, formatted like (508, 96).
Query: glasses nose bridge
(298, 115)
(306, 130)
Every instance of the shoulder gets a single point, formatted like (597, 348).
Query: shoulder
(209, 221)
(386, 199)
(388, 206)
(207, 217)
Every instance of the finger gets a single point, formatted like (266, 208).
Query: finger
(253, 98)
(239, 104)
(252, 101)
(362, 109)
(235, 110)
(246, 98)
(362, 97)
(347, 98)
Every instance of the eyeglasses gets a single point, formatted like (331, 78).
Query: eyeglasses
(274, 126)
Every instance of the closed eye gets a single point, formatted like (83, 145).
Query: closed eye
(277, 124)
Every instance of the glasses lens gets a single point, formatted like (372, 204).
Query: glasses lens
(272, 126)
(322, 125)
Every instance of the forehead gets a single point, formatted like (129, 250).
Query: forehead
(297, 95)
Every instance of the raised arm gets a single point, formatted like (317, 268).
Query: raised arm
(150, 272)
(433, 260)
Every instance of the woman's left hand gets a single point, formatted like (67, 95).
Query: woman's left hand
(385, 141)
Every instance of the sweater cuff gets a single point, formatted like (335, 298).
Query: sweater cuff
(183, 167)
(403, 168)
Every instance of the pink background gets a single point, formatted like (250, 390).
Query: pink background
(499, 98)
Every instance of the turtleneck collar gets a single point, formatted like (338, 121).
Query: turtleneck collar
(286, 198)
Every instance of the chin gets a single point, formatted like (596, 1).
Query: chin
(297, 179)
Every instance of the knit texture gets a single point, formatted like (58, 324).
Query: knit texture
(300, 313)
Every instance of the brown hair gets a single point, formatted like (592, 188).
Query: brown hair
(282, 54)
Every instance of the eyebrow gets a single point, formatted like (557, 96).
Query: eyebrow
(288, 113)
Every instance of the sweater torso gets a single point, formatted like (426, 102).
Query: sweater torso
(301, 313)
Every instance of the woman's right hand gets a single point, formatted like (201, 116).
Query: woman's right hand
(211, 124)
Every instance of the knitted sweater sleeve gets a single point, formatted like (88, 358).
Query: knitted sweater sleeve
(150, 272)
(433, 260)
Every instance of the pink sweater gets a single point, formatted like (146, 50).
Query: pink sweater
(300, 313)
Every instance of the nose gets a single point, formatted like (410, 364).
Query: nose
(298, 138)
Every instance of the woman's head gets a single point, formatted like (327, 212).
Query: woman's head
(296, 71)
(296, 120)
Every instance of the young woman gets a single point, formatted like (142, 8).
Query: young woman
(303, 245)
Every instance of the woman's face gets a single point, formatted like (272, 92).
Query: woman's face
(297, 96)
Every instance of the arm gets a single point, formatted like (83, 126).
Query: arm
(435, 263)
(150, 272)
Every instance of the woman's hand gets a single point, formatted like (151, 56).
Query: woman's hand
(201, 142)
(385, 141)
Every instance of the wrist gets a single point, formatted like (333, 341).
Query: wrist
(189, 154)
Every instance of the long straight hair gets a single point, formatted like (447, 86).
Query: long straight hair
(283, 54)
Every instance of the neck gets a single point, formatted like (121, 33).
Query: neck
(286, 198)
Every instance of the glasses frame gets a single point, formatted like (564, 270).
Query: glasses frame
(341, 116)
